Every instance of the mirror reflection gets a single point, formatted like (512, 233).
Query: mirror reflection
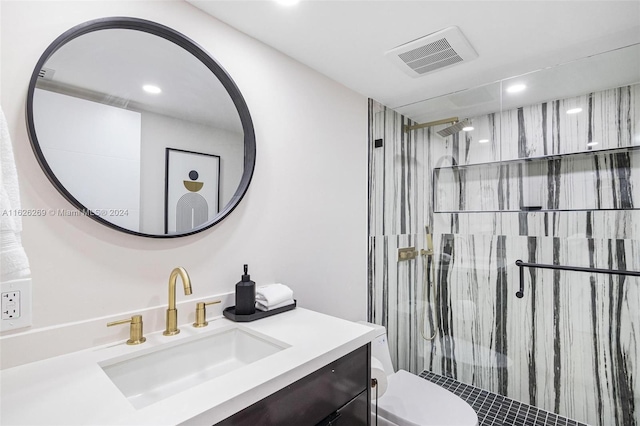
(139, 131)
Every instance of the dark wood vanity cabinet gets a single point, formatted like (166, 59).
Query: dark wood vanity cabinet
(337, 394)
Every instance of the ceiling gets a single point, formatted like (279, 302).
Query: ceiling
(347, 40)
(111, 66)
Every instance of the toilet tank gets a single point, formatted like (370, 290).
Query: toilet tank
(380, 347)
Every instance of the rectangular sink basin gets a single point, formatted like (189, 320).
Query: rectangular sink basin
(153, 376)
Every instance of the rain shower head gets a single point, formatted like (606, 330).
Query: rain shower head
(453, 129)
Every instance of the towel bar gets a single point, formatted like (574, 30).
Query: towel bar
(522, 265)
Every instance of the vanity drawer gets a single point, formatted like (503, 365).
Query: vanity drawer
(313, 398)
(355, 413)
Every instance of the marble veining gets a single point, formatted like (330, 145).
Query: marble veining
(598, 181)
(572, 344)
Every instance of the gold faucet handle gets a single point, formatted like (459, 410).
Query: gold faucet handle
(135, 331)
(201, 313)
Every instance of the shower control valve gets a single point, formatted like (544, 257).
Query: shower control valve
(407, 253)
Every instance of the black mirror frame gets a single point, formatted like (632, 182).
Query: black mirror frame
(190, 46)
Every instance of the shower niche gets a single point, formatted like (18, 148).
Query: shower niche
(594, 180)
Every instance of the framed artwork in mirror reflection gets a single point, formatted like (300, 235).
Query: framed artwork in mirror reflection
(192, 189)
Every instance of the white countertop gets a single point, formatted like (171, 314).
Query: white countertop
(73, 389)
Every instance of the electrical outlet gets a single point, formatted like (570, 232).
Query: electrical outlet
(11, 305)
(15, 298)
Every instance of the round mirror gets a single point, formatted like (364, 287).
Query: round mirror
(139, 128)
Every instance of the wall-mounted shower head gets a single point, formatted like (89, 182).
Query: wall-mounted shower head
(455, 127)
(450, 120)
(448, 131)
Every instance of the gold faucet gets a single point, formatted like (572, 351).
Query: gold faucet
(172, 312)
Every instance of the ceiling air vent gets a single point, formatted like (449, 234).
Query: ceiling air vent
(46, 73)
(433, 52)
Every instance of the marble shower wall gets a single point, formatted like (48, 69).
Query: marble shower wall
(571, 345)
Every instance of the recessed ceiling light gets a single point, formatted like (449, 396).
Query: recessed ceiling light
(483, 141)
(288, 2)
(467, 129)
(150, 88)
(574, 110)
(593, 143)
(516, 88)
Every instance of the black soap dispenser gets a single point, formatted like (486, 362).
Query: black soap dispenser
(246, 294)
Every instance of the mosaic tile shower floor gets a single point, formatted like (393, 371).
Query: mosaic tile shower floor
(497, 410)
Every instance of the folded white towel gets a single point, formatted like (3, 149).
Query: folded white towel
(273, 294)
(261, 307)
(15, 263)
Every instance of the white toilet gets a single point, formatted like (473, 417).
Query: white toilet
(410, 400)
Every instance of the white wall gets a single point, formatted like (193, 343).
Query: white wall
(302, 222)
(160, 132)
(100, 175)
